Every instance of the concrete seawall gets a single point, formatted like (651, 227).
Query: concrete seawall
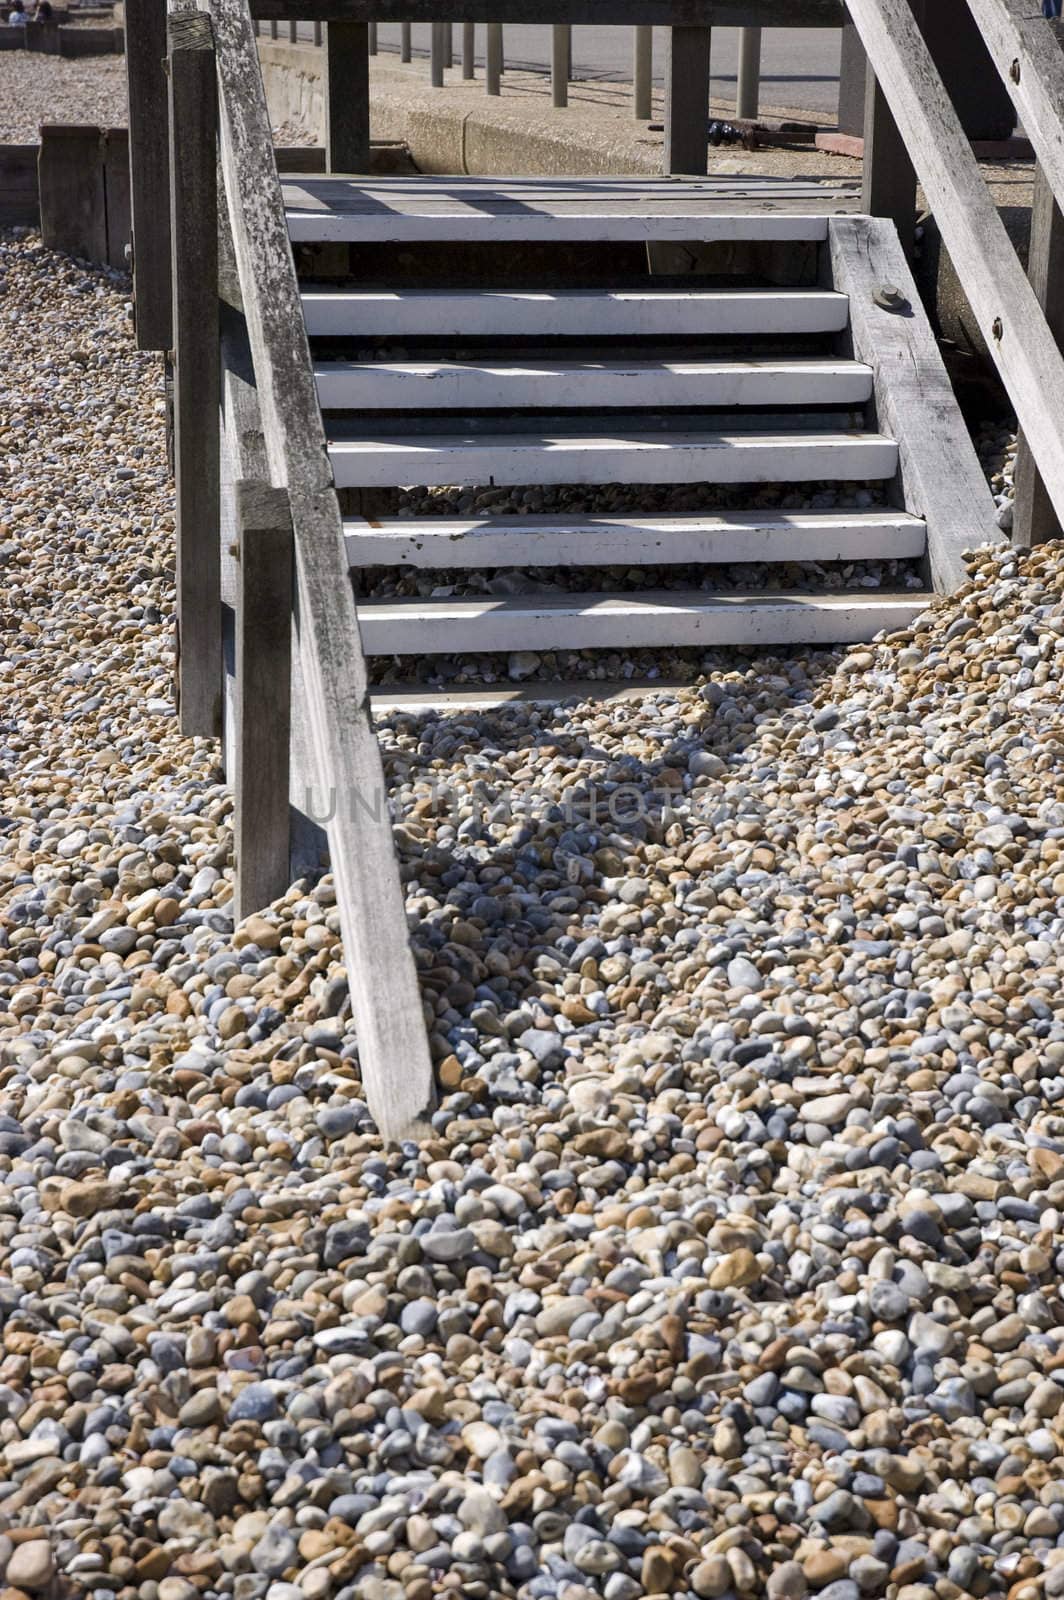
(460, 129)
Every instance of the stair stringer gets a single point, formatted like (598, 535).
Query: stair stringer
(939, 477)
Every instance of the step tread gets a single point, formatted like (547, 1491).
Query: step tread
(534, 541)
(385, 460)
(568, 313)
(676, 618)
(389, 699)
(645, 600)
(369, 209)
(557, 385)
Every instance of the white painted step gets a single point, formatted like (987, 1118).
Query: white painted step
(406, 210)
(573, 313)
(630, 621)
(526, 458)
(733, 536)
(412, 698)
(559, 385)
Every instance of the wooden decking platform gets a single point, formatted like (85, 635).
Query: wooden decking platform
(563, 209)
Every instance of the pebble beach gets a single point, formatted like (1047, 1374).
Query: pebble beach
(732, 1264)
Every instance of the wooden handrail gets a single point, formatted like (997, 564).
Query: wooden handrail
(1005, 306)
(385, 998)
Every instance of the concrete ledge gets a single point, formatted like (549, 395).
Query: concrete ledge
(461, 129)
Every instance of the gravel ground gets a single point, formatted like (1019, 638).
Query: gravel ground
(36, 89)
(733, 1264)
(996, 444)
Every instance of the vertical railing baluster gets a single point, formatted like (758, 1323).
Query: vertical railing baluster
(642, 72)
(748, 93)
(560, 44)
(469, 49)
(493, 66)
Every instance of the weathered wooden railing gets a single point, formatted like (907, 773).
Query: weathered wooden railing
(913, 131)
(263, 477)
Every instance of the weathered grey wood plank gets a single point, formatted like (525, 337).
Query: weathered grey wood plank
(1034, 520)
(346, 95)
(1005, 305)
(149, 171)
(244, 452)
(647, 620)
(687, 100)
(194, 235)
(940, 476)
(263, 696)
(386, 1003)
(659, 13)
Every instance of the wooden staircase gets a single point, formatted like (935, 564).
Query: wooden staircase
(769, 335)
(740, 371)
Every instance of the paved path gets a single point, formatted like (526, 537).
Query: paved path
(800, 66)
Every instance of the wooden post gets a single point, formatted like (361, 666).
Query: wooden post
(346, 97)
(1034, 521)
(448, 45)
(149, 171)
(469, 49)
(263, 696)
(194, 231)
(687, 100)
(72, 186)
(273, 27)
(317, 34)
(888, 177)
(404, 41)
(748, 92)
(372, 41)
(493, 65)
(642, 73)
(560, 42)
(116, 194)
(293, 33)
(436, 56)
